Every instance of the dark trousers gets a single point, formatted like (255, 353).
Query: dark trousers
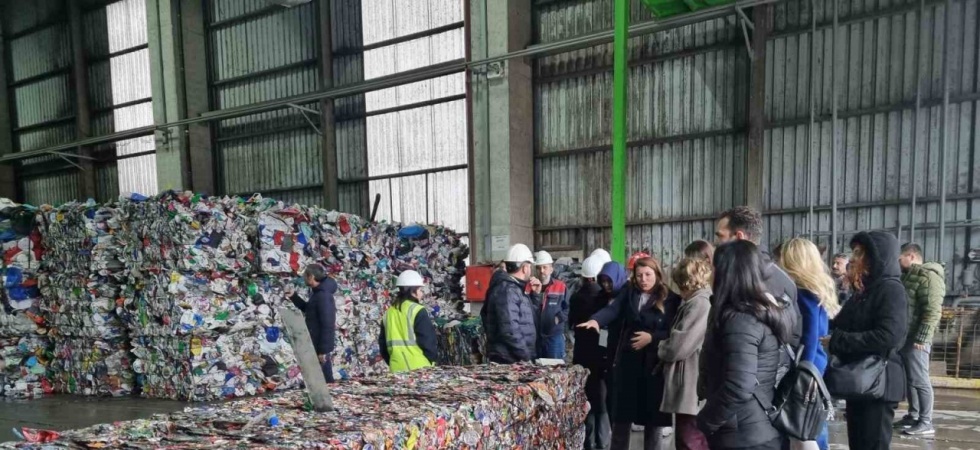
(687, 436)
(597, 431)
(552, 347)
(869, 424)
(653, 437)
(775, 444)
(328, 370)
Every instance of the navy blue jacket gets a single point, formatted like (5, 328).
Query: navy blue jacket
(508, 320)
(321, 316)
(554, 305)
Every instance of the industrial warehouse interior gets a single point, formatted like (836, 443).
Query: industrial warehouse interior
(490, 224)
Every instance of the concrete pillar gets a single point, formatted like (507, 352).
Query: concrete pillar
(8, 183)
(178, 62)
(503, 160)
(83, 113)
(331, 196)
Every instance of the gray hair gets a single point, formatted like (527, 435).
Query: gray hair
(318, 272)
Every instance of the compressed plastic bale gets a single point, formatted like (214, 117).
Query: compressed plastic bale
(480, 407)
(92, 367)
(25, 364)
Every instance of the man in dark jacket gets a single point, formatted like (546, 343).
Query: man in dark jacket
(508, 314)
(925, 283)
(874, 322)
(839, 271)
(552, 317)
(745, 223)
(320, 313)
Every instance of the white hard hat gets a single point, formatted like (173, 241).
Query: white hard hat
(410, 278)
(591, 267)
(519, 253)
(602, 255)
(542, 258)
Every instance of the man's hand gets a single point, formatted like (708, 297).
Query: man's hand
(919, 346)
(323, 358)
(290, 289)
(641, 339)
(590, 325)
(535, 285)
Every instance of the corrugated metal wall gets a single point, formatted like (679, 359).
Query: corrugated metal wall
(39, 62)
(686, 130)
(688, 91)
(884, 147)
(262, 52)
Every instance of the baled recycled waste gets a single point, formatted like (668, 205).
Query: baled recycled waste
(84, 280)
(25, 350)
(487, 406)
(461, 342)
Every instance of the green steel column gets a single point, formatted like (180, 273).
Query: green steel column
(621, 38)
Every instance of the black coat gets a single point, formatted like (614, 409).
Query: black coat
(875, 320)
(740, 359)
(637, 387)
(586, 302)
(509, 321)
(321, 316)
(784, 289)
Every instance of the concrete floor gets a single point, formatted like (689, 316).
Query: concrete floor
(957, 418)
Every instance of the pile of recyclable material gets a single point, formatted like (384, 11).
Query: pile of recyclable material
(24, 365)
(84, 278)
(461, 342)
(486, 406)
(204, 368)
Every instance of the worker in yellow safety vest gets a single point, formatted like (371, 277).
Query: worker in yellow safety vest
(408, 338)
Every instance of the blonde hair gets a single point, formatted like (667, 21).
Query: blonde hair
(801, 260)
(692, 274)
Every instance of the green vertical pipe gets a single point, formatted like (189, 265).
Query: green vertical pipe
(620, 41)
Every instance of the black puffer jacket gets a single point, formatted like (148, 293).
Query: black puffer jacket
(584, 304)
(875, 321)
(508, 320)
(741, 356)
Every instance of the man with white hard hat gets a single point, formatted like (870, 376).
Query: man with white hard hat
(553, 309)
(508, 314)
(601, 255)
(408, 338)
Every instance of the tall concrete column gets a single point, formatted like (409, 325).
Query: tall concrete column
(503, 124)
(8, 184)
(178, 62)
(755, 159)
(83, 113)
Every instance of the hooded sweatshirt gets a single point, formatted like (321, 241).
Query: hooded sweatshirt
(926, 287)
(875, 320)
(615, 272)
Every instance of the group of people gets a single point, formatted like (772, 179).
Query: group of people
(703, 352)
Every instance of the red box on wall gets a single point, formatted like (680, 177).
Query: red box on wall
(477, 282)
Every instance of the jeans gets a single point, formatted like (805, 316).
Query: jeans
(328, 370)
(552, 347)
(919, 388)
(869, 424)
(653, 437)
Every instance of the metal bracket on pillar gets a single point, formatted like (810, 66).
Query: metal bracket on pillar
(304, 111)
(746, 24)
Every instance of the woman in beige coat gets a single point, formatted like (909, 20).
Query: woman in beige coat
(679, 353)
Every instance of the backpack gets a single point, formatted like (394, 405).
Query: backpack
(801, 403)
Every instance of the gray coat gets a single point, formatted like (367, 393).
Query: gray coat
(680, 353)
(508, 320)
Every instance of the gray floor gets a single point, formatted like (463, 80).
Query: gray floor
(957, 418)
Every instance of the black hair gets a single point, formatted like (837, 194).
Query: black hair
(912, 248)
(746, 220)
(318, 272)
(514, 267)
(739, 287)
(405, 293)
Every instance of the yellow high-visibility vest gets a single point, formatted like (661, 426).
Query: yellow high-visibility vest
(403, 351)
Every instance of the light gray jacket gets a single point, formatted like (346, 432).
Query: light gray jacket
(680, 352)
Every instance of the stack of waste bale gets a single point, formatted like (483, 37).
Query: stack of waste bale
(443, 407)
(200, 323)
(25, 349)
(84, 278)
(363, 258)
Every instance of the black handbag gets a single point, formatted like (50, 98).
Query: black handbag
(862, 379)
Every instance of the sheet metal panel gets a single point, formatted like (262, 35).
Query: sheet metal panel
(51, 189)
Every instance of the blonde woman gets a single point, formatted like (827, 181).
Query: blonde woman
(679, 353)
(817, 300)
